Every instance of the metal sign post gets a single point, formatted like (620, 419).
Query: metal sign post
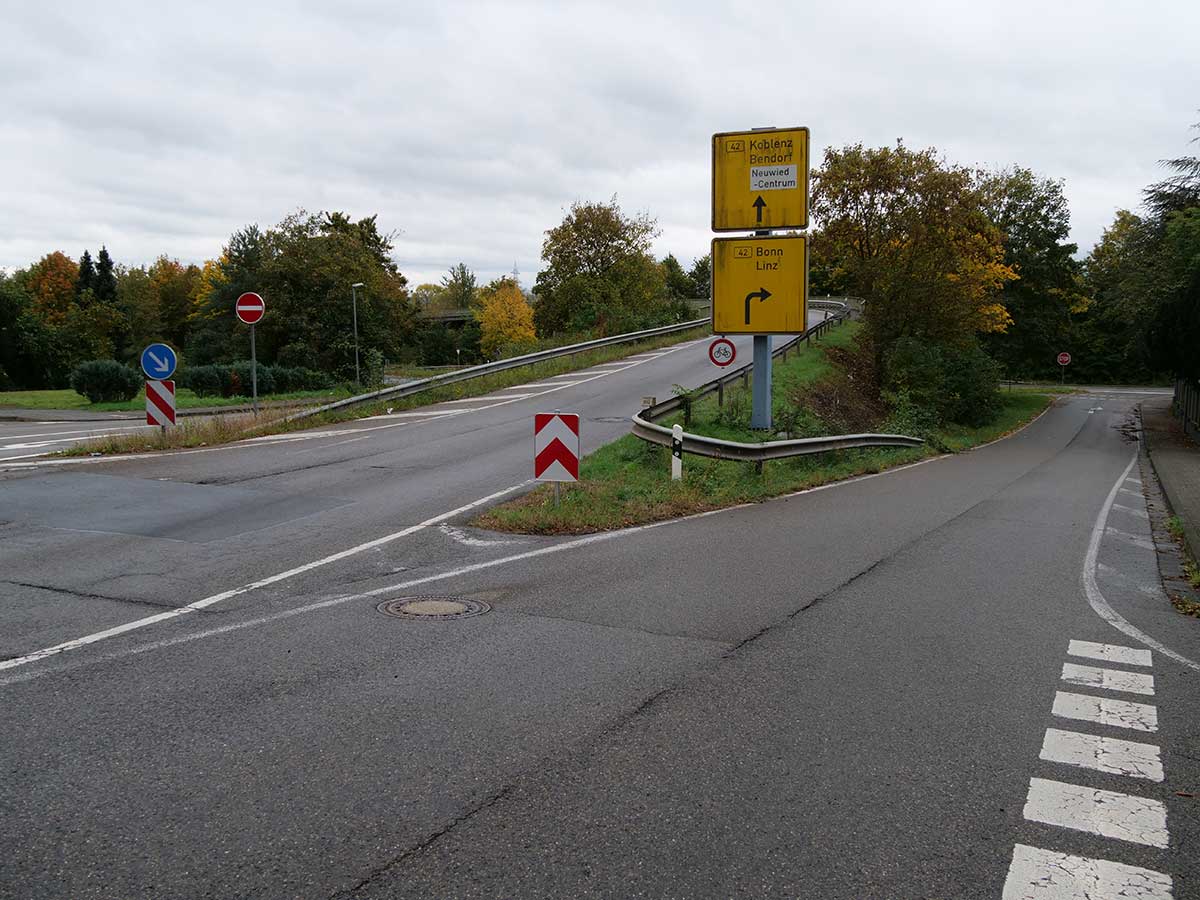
(253, 373)
(250, 308)
(1064, 360)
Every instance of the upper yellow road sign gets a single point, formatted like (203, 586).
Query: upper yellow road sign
(760, 179)
(760, 285)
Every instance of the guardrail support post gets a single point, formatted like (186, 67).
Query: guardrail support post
(677, 453)
(720, 394)
(760, 413)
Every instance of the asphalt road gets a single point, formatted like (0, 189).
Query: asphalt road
(854, 692)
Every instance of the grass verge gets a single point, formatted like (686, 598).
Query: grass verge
(627, 482)
(198, 432)
(211, 431)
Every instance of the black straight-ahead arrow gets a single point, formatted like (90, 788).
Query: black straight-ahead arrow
(760, 204)
(762, 294)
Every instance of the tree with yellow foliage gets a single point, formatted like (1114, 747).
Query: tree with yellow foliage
(908, 231)
(505, 317)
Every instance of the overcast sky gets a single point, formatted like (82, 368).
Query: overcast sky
(471, 128)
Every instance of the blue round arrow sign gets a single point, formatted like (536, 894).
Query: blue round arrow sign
(159, 361)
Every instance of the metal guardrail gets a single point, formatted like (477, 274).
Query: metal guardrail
(717, 385)
(714, 448)
(1187, 406)
(469, 372)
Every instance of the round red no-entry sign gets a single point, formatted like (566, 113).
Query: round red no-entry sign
(1064, 359)
(721, 352)
(250, 307)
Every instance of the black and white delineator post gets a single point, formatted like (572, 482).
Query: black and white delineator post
(676, 452)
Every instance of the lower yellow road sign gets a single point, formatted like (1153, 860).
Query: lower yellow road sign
(760, 285)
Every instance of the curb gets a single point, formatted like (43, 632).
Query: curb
(1170, 554)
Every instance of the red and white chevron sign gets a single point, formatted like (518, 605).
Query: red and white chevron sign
(556, 447)
(160, 402)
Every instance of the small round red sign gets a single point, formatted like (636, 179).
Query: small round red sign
(1064, 359)
(250, 307)
(722, 352)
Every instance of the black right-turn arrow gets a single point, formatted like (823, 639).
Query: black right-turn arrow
(762, 294)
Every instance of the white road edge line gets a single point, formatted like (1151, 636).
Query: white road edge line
(1104, 754)
(1109, 679)
(1106, 711)
(1037, 874)
(272, 579)
(1140, 820)
(1096, 597)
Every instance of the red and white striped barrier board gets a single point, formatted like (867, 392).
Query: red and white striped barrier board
(160, 402)
(556, 447)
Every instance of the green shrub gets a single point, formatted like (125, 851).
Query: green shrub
(240, 384)
(106, 381)
(298, 378)
(971, 386)
(204, 381)
(954, 384)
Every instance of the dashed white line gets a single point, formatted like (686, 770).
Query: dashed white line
(1104, 754)
(1130, 656)
(1140, 513)
(1106, 711)
(1140, 820)
(1109, 679)
(1037, 874)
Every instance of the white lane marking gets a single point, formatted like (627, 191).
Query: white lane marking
(1104, 754)
(457, 534)
(1129, 656)
(234, 592)
(1136, 539)
(1140, 820)
(1140, 513)
(83, 431)
(1133, 479)
(327, 446)
(1106, 711)
(1122, 391)
(548, 384)
(34, 445)
(1091, 587)
(294, 436)
(1109, 679)
(1137, 494)
(1037, 874)
(423, 414)
(339, 601)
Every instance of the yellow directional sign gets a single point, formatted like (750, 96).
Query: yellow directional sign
(760, 179)
(760, 285)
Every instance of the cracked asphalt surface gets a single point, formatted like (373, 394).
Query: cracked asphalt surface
(837, 694)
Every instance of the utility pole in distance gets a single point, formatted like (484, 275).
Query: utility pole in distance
(354, 297)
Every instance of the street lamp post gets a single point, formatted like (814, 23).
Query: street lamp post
(354, 295)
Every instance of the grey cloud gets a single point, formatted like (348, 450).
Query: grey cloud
(471, 127)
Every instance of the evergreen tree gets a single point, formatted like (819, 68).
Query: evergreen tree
(87, 274)
(105, 283)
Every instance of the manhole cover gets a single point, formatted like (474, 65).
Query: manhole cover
(433, 607)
